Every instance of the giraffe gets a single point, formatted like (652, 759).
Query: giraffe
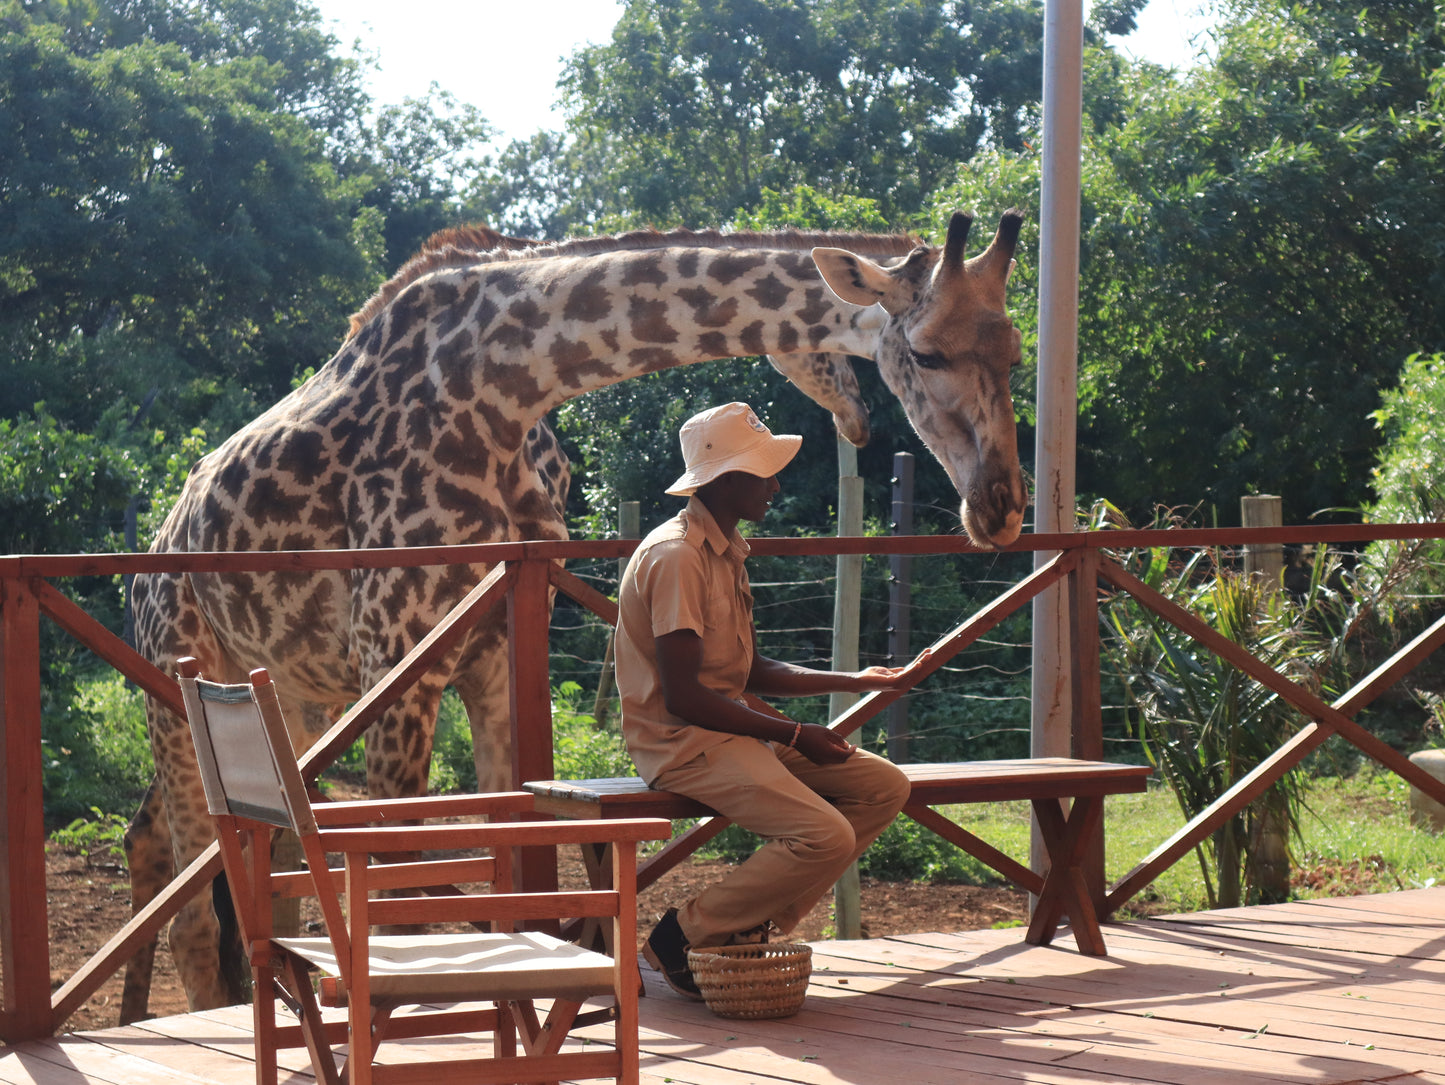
(417, 433)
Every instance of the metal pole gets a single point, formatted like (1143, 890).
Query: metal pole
(848, 893)
(1058, 358)
(1054, 496)
(900, 597)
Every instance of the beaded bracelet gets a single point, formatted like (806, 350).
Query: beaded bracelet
(797, 730)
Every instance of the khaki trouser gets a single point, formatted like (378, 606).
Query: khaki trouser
(816, 820)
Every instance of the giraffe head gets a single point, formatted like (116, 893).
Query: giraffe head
(945, 352)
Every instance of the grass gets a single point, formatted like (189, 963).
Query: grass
(1356, 837)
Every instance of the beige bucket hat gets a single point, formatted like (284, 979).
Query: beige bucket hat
(730, 438)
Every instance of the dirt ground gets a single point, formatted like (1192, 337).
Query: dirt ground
(90, 900)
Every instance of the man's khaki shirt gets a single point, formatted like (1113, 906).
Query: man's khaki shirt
(687, 574)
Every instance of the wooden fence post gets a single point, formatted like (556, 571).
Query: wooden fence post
(531, 703)
(24, 923)
(1266, 560)
(1087, 724)
(629, 526)
(1267, 863)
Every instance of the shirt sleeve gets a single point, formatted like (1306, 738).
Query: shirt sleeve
(672, 580)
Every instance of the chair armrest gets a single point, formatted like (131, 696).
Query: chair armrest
(507, 834)
(397, 811)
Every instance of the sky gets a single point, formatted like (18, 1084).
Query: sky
(504, 56)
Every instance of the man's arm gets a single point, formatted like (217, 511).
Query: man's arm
(774, 678)
(679, 660)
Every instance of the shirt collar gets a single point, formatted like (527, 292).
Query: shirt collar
(713, 532)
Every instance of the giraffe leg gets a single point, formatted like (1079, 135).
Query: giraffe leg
(165, 606)
(485, 690)
(148, 857)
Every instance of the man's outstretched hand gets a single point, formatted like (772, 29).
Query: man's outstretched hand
(885, 678)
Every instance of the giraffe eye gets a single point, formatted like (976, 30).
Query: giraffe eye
(927, 361)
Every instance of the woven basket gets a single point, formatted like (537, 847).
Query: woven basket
(753, 981)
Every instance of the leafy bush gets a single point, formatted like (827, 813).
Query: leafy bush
(580, 750)
(1409, 481)
(96, 756)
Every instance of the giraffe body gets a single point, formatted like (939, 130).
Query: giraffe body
(427, 428)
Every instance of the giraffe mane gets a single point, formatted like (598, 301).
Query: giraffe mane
(465, 246)
(455, 246)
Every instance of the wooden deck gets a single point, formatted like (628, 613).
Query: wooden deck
(1344, 990)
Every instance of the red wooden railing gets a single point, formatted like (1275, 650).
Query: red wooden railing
(521, 579)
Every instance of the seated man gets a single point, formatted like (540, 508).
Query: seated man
(686, 653)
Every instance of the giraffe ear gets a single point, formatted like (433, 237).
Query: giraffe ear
(855, 279)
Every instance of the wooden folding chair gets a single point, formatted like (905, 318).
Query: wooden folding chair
(253, 787)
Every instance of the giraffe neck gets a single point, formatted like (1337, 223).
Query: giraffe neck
(520, 336)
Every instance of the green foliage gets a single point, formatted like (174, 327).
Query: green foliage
(580, 749)
(907, 852)
(698, 106)
(96, 755)
(1409, 483)
(158, 186)
(1261, 246)
(60, 491)
(91, 836)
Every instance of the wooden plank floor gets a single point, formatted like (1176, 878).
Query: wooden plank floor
(1336, 991)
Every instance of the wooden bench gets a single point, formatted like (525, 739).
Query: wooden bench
(1061, 891)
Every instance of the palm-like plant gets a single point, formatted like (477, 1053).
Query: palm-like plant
(1206, 724)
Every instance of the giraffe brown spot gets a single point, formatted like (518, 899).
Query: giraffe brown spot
(269, 503)
(454, 309)
(609, 339)
(454, 359)
(815, 306)
(506, 430)
(728, 267)
(769, 292)
(651, 359)
(752, 338)
(798, 266)
(649, 321)
(231, 479)
(713, 345)
(504, 281)
(411, 497)
(528, 313)
(409, 309)
(586, 372)
(643, 268)
(566, 353)
(461, 449)
(516, 382)
(589, 301)
(687, 263)
(787, 338)
(510, 337)
(707, 311)
(427, 534)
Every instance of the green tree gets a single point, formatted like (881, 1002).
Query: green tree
(1260, 245)
(169, 200)
(701, 104)
(1264, 243)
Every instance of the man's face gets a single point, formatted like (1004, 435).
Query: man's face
(746, 496)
